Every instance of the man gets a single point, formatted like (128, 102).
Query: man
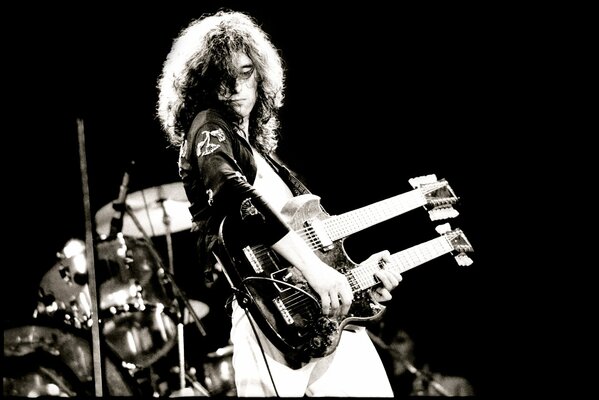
(221, 87)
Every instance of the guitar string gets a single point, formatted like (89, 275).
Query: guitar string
(260, 250)
(304, 233)
(297, 301)
(303, 300)
(308, 233)
(331, 225)
(364, 274)
(333, 222)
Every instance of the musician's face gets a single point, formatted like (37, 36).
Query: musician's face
(242, 100)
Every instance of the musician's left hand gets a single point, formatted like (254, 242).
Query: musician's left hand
(389, 277)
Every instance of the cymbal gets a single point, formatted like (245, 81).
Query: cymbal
(147, 207)
(201, 310)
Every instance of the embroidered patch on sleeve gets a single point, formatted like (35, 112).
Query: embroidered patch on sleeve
(210, 194)
(206, 146)
(247, 209)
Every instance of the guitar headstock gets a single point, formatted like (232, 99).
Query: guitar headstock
(439, 196)
(458, 242)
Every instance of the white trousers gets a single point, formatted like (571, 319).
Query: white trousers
(353, 370)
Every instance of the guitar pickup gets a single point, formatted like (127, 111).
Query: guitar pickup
(283, 310)
(318, 234)
(252, 259)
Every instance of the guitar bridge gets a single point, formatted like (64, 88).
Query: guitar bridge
(318, 234)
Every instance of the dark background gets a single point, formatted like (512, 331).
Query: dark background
(374, 97)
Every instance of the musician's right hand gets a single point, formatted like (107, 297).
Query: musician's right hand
(332, 286)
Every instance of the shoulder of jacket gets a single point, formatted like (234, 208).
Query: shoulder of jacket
(209, 120)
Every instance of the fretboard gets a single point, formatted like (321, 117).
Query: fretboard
(362, 277)
(343, 225)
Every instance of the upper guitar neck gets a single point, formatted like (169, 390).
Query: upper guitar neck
(343, 225)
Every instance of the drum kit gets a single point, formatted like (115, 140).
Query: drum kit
(141, 313)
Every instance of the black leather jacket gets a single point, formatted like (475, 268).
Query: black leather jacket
(218, 169)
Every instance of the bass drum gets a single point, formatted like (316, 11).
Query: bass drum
(43, 359)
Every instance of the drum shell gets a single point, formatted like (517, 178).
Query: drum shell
(63, 293)
(45, 358)
(137, 311)
(219, 375)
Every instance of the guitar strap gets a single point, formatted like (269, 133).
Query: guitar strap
(296, 186)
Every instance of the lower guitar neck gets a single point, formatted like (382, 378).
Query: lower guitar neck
(362, 277)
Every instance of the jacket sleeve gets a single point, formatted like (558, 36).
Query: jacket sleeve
(228, 189)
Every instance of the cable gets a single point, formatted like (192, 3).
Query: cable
(262, 350)
(243, 301)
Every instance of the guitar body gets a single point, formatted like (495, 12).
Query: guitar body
(277, 296)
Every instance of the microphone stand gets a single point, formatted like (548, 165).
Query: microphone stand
(179, 294)
(425, 376)
(90, 250)
(166, 220)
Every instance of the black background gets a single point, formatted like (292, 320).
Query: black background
(374, 97)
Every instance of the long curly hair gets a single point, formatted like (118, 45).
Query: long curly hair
(199, 66)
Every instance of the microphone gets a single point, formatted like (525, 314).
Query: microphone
(119, 205)
(424, 375)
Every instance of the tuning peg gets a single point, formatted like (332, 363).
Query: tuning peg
(443, 228)
(463, 260)
(422, 180)
(442, 212)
